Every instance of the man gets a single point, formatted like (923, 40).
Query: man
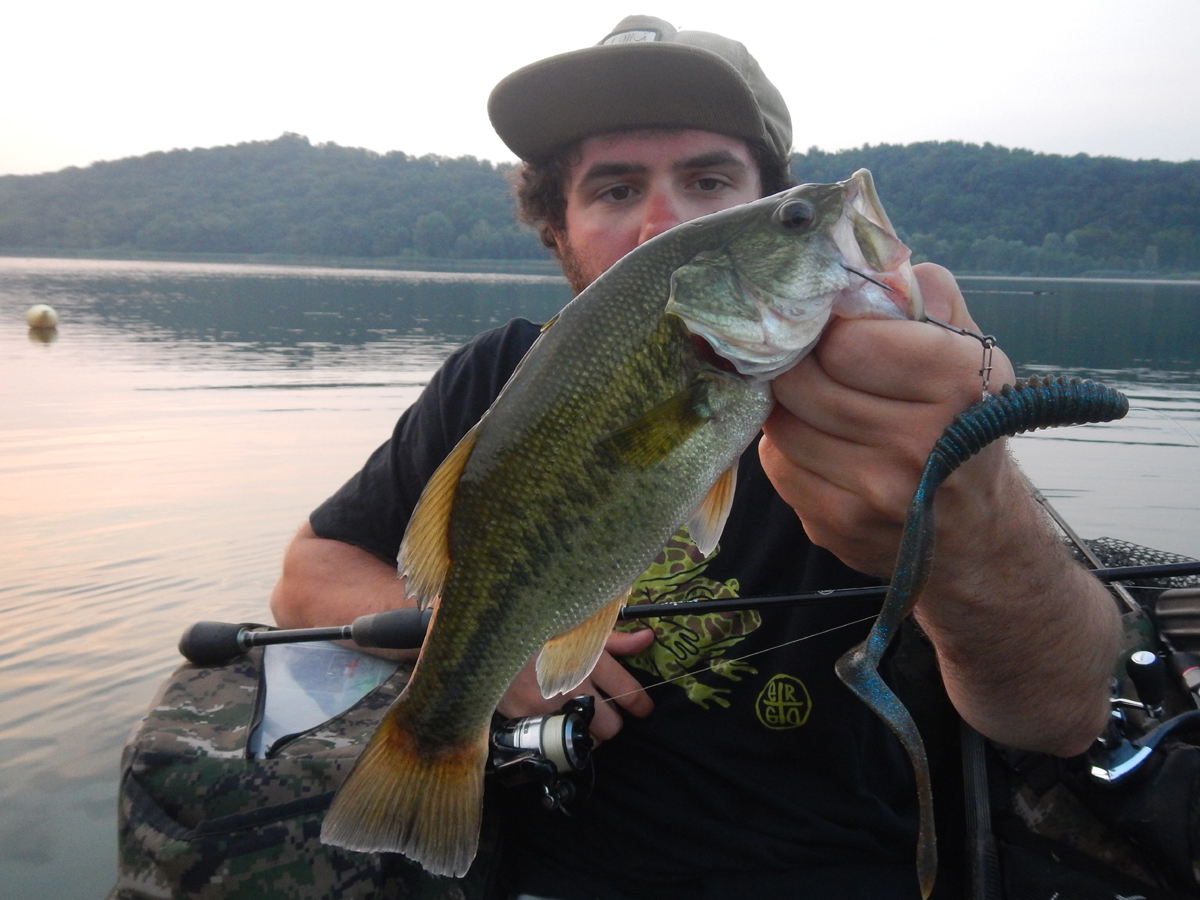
(752, 775)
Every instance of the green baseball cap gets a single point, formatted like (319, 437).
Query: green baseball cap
(645, 74)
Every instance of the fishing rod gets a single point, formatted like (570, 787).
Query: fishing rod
(554, 749)
(218, 643)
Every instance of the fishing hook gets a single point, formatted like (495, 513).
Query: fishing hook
(886, 287)
(987, 340)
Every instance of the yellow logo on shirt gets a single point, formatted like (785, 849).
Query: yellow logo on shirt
(784, 703)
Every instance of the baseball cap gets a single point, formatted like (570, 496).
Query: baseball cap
(644, 74)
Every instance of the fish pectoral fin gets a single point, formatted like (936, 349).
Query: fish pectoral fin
(569, 658)
(397, 799)
(708, 521)
(425, 550)
(656, 433)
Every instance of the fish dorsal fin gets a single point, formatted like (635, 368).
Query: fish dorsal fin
(568, 659)
(708, 521)
(425, 550)
(656, 433)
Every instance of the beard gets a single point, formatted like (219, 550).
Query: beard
(577, 270)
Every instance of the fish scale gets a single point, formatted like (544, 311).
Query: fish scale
(624, 421)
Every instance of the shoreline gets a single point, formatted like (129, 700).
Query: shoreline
(548, 267)
(403, 264)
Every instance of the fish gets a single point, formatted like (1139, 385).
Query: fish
(623, 422)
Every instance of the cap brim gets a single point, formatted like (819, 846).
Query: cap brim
(552, 103)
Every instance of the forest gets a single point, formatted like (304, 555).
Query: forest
(977, 209)
(988, 209)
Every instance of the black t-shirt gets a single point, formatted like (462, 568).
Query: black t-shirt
(758, 773)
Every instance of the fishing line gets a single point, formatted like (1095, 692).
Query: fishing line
(747, 656)
(1172, 420)
(987, 340)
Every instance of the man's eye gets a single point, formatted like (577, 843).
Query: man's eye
(708, 185)
(619, 192)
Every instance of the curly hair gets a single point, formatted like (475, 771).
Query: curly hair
(541, 187)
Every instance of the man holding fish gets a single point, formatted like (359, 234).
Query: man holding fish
(755, 773)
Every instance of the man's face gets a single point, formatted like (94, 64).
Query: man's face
(629, 186)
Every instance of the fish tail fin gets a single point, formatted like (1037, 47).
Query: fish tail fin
(398, 799)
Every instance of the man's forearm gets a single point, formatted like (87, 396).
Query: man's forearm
(326, 582)
(1026, 638)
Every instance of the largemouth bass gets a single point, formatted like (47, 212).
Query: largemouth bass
(624, 421)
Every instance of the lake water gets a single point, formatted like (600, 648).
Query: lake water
(156, 456)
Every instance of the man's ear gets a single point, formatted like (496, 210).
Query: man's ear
(555, 240)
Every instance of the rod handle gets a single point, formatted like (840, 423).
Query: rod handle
(211, 644)
(396, 629)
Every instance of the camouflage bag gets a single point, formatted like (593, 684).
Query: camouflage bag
(199, 818)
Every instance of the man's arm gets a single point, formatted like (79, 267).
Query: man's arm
(326, 582)
(1026, 639)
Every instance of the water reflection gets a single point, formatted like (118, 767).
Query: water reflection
(251, 307)
(155, 459)
(1130, 326)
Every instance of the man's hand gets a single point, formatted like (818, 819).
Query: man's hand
(608, 679)
(856, 419)
(1026, 640)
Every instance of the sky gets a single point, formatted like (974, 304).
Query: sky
(86, 81)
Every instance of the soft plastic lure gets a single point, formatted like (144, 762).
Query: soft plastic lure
(1038, 403)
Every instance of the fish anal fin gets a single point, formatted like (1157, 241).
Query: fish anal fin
(656, 433)
(708, 521)
(398, 800)
(567, 659)
(425, 550)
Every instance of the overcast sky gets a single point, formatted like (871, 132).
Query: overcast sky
(86, 81)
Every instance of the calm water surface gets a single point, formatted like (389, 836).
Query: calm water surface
(157, 455)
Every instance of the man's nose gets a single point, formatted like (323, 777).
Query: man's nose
(661, 212)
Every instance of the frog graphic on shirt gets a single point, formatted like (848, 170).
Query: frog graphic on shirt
(686, 646)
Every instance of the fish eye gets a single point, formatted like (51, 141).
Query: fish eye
(795, 214)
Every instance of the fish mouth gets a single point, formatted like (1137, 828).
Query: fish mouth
(871, 249)
(760, 347)
(761, 302)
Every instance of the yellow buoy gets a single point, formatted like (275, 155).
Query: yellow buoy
(41, 315)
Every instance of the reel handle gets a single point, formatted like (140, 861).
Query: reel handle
(1148, 673)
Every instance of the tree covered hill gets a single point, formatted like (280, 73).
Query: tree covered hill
(973, 208)
(1015, 211)
(284, 196)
